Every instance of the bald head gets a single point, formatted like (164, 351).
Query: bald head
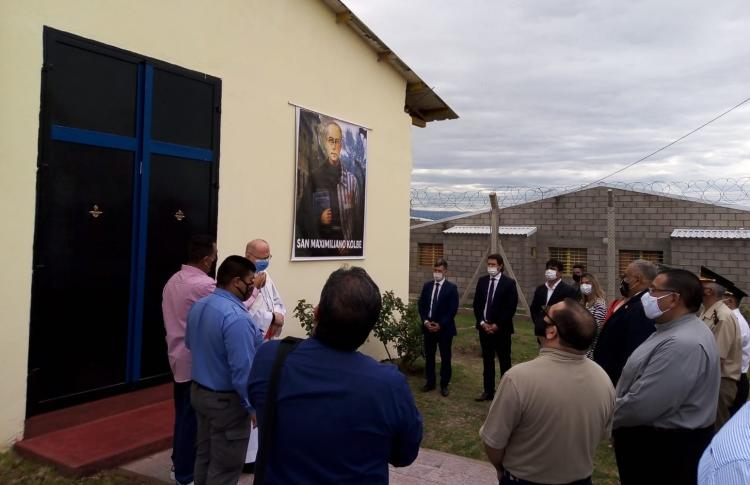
(576, 328)
(257, 249)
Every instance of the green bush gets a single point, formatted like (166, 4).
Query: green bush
(399, 325)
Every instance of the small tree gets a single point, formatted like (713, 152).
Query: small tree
(398, 325)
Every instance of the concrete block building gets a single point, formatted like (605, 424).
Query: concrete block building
(572, 227)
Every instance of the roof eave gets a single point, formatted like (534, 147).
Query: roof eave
(421, 101)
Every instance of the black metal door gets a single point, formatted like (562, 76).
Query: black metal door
(127, 172)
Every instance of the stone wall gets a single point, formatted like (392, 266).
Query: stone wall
(579, 220)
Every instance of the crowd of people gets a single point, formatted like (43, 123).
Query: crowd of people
(660, 372)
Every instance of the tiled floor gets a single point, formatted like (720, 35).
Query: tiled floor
(431, 467)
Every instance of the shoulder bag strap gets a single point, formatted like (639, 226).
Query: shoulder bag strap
(267, 428)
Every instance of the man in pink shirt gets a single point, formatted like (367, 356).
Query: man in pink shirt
(184, 288)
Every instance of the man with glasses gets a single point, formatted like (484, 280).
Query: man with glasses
(223, 340)
(667, 394)
(264, 304)
(550, 414)
(267, 311)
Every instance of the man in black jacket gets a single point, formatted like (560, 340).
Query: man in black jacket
(438, 305)
(628, 326)
(495, 301)
(554, 290)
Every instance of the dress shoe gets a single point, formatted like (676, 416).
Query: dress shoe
(248, 468)
(428, 387)
(444, 391)
(485, 396)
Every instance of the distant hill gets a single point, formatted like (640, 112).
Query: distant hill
(434, 215)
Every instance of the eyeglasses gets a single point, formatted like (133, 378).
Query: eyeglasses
(258, 257)
(545, 314)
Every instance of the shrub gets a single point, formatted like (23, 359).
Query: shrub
(398, 325)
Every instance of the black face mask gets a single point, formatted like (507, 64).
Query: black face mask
(624, 287)
(576, 278)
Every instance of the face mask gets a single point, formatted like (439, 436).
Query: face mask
(438, 277)
(261, 265)
(550, 274)
(491, 270)
(586, 288)
(651, 305)
(624, 287)
(576, 278)
(247, 291)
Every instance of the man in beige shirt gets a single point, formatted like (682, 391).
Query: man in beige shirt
(719, 318)
(549, 414)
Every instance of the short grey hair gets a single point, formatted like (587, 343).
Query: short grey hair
(646, 268)
(718, 290)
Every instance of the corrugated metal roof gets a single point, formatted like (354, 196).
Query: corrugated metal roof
(422, 102)
(741, 233)
(502, 230)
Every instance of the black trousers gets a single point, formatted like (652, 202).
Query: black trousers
(433, 341)
(742, 392)
(647, 455)
(495, 344)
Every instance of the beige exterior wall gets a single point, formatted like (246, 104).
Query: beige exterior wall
(267, 54)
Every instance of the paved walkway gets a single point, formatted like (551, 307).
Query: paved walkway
(431, 467)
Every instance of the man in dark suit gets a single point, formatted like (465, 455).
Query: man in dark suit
(554, 290)
(438, 305)
(628, 326)
(495, 301)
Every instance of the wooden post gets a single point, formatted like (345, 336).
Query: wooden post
(496, 246)
(612, 276)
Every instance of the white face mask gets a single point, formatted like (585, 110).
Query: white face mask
(438, 277)
(550, 274)
(492, 270)
(651, 305)
(586, 288)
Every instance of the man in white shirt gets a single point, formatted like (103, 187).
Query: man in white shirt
(267, 312)
(732, 299)
(265, 304)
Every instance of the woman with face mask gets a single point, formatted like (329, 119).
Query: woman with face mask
(592, 297)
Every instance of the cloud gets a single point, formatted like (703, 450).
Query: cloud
(560, 93)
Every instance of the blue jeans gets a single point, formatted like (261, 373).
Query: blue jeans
(185, 429)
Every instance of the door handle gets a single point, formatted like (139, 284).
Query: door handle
(179, 215)
(95, 212)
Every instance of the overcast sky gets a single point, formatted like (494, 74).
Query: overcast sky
(554, 92)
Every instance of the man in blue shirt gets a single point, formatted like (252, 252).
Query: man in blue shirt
(341, 417)
(223, 339)
(726, 461)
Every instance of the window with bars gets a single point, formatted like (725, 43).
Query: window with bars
(569, 257)
(627, 256)
(429, 253)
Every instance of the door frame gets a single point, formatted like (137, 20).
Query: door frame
(143, 146)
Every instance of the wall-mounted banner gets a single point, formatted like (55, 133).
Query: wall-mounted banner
(329, 219)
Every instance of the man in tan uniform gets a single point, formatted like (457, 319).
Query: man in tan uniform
(549, 414)
(719, 318)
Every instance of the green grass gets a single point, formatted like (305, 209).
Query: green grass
(15, 470)
(452, 424)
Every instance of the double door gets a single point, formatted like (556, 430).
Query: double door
(127, 172)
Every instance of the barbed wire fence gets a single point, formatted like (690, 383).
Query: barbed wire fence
(731, 191)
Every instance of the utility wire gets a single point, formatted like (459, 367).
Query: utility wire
(667, 146)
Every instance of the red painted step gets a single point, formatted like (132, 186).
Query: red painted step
(106, 441)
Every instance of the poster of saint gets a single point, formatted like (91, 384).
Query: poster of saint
(331, 160)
